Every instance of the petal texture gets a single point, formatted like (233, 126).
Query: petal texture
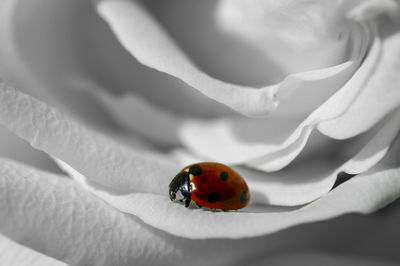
(297, 35)
(12, 66)
(272, 154)
(55, 216)
(125, 169)
(139, 115)
(108, 162)
(380, 96)
(311, 176)
(16, 148)
(364, 193)
(12, 253)
(144, 38)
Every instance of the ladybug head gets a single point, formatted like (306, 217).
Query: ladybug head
(179, 188)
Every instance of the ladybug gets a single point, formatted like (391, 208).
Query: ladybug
(210, 185)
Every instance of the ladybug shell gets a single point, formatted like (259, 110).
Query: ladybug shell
(217, 186)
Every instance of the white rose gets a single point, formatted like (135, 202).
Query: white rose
(302, 97)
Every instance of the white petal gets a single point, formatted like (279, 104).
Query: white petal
(220, 143)
(141, 116)
(306, 257)
(99, 157)
(46, 44)
(12, 66)
(369, 9)
(107, 162)
(380, 96)
(15, 148)
(297, 35)
(364, 193)
(310, 179)
(313, 175)
(53, 215)
(12, 253)
(32, 24)
(376, 148)
(216, 53)
(145, 39)
(235, 60)
(60, 137)
(41, 53)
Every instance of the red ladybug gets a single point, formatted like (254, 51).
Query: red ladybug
(210, 185)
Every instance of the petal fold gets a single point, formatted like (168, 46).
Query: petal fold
(365, 193)
(12, 253)
(272, 153)
(140, 34)
(311, 176)
(380, 96)
(147, 41)
(53, 215)
(100, 157)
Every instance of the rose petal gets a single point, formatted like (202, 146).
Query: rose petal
(140, 116)
(317, 257)
(42, 42)
(30, 26)
(15, 148)
(55, 216)
(97, 156)
(216, 53)
(297, 35)
(12, 253)
(307, 90)
(365, 10)
(302, 90)
(30, 30)
(309, 93)
(143, 37)
(11, 60)
(41, 50)
(126, 108)
(272, 154)
(309, 179)
(313, 175)
(377, 147)
(381, 94)
(53, 131)
(364, 193)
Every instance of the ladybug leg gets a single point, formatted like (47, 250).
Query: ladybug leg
(198, 205)
(172, 195)
(187, 201)
(225, 210)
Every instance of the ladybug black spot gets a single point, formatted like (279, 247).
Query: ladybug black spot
(195, 170)
(243, 197)
(213, 197)
(224, 176)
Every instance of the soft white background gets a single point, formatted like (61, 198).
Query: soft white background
(290, 93)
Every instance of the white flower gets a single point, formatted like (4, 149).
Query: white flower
(291, 93)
